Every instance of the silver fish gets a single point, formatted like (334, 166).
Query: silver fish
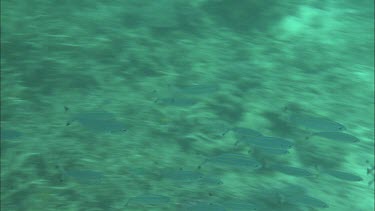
(181, 175)
(242, 132)
(239, 205)
(268, 142)
(293, 171)
(204, 206)
(337, 136)
(84, 176)
(198, 89)
(308, 201)
(344, 175)
(148, 199)
(316, 123)
(234, 160)
(99, 121)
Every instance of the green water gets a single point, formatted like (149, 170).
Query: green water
(159, 105)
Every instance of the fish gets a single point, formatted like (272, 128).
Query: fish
(181, 175)
(148, 199)
(370, 169)
(84, 176)
(343, 175)
(6, 134)
(316, 123)
(239, 205)
(176, 101)
(198, 89)
(99, 121)
(217, 128)
(307, 201)
(268, 142)
(242, 132)
(210, 180)
(234, 160)
(272, 151)
(337, 136)
(204, 206)
(293, 171)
